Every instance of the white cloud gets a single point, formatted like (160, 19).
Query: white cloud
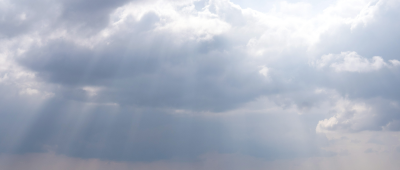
(350, 61)
(348, 116)
(264, 71)
(355, 63)
(326, 124)
(395, 62)
(92, 90)
(29, 91)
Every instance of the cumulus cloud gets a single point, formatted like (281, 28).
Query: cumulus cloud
(352, 62)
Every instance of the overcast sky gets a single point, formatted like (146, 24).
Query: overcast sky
(199, 84)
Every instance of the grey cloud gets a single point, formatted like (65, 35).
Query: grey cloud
(85, 17)
(125, 133)
(92, 15)
(197, 75)
(19, 17)
(392, 125)
(184, 76)
(142, 75)
(112, 133)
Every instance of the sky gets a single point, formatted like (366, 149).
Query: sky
(199, 84)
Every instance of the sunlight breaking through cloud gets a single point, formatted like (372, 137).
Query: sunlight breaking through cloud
(199, 84)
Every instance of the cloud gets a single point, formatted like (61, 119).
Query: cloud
(264, 71)
(119, 133)
(160, 80)
(352, 62)
(354, 116)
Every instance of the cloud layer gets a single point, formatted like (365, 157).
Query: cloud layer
(183, 80)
